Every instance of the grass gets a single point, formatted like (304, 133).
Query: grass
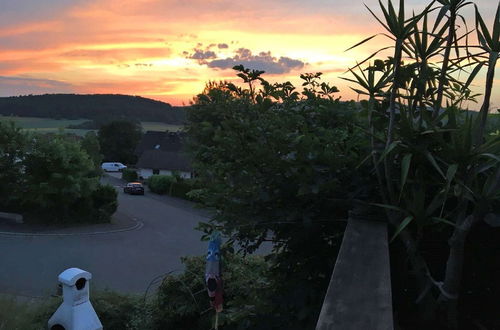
(156, 126)
(48, 125)
(25, 315)
(114, 309)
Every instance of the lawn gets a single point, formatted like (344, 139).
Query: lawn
(48, 125)
(157, 126)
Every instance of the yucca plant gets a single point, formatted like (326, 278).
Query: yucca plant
(452, 8)
(449, 176)
(373, 84)
(423, 45)
(490, 43)
(399, 28)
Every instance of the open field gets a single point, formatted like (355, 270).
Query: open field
(157, 126)
(48, 125)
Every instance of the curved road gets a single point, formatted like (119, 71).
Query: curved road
(124, 261)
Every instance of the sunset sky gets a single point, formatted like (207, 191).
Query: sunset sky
(168, 50)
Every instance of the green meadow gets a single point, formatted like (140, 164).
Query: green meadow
(48, 125)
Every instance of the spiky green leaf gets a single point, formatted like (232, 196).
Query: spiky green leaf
(406, 221)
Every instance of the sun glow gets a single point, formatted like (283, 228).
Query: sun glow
(170, 49)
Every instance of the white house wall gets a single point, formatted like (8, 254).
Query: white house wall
(147, 172)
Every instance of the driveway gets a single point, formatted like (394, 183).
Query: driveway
(125, 261)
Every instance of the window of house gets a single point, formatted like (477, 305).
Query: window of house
(156, 171)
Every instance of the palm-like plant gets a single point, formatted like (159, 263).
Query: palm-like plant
(452, 7)
(399, 28)
(449, 175)
(490, 43)
(422, 46)
(373, 84)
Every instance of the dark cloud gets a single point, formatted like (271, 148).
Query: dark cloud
(10, 86)
(263, 61)
(222, 46)
(201, 55)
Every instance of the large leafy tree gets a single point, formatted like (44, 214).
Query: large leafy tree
(13, 143)
(277, 164)
(118, 141)
(90, 144)
(58, 179)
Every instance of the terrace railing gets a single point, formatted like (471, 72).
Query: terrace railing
(359, 293)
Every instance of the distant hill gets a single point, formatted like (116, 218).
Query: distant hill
(95, 106)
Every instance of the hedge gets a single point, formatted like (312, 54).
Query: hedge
(129, 175)
(171, 185)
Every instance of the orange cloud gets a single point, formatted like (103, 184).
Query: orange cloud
(136, 46)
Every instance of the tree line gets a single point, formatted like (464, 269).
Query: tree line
(98, 106)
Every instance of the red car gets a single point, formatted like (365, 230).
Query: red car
(134, 188)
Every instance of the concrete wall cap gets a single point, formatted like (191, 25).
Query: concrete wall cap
(71, 275)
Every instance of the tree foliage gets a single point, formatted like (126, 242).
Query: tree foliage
(13, 143)
(276, 163)
(90, 144)
(118, 141)
(52, 178)
(57, 177)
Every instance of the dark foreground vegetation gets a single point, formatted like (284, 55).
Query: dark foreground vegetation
(177, 301)
(98, 107)
(286, 165)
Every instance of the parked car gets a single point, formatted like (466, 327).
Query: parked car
(113, 167)
(134, 188)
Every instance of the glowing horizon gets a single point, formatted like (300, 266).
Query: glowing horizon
(167, 50)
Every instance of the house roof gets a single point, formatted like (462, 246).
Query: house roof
(164, 160)
(165, 141)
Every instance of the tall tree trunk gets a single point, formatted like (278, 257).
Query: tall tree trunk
(483, 114)
(378, 172)
(444, 66)
(392, 119)
(450, 289)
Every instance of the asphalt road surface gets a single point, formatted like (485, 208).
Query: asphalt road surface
(123, 261)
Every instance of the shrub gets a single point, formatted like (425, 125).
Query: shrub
(172, 186)
(182, 298)
(104, 200)
(160, 184)
(129, 175)
(115, 310)
(181, 188)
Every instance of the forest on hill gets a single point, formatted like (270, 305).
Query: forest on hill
(95, 106)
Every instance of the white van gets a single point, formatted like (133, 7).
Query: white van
(113, 167)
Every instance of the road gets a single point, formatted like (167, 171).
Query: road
(123, 261)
